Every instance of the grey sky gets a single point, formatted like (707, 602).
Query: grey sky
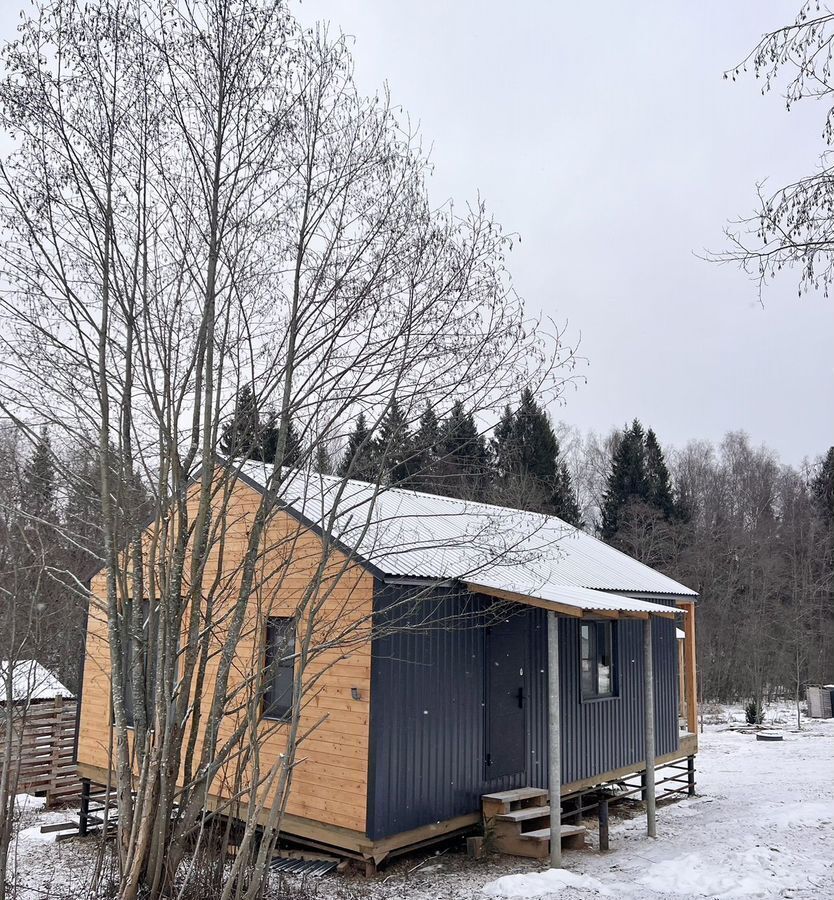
(605, 135)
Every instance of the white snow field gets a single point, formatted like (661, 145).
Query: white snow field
(762, 825)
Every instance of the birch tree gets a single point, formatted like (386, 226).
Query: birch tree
(199, 199)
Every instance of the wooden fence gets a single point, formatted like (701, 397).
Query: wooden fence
(43, 743)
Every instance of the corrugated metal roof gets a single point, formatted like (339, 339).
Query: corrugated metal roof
(411, 534)
(580, 598)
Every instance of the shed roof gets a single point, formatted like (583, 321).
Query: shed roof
(31, 681)
(404, 533)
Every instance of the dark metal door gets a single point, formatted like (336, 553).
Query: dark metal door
(506, 697)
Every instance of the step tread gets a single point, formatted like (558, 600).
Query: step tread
(543, 834)
(516, 794)
(522, 815)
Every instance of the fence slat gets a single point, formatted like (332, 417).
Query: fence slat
(43, 742)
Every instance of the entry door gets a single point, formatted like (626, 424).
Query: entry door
(506, 697)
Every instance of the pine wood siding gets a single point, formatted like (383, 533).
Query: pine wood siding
(331, 778)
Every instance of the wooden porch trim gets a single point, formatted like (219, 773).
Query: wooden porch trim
(562, 609)
(524, 599)
(690, 666)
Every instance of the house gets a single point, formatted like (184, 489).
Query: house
(508, 651)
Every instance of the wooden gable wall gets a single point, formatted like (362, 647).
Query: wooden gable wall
(331, 779)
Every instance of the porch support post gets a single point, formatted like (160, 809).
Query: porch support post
(554, 739)
(690, 668)
(648, 699)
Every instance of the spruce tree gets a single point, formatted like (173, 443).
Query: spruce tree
(427, 452)
(358, 459)
(659, 493)
(242, 435)
(395, 447)
(267, 445)
(464, 457)
(529, 472)
(628, 479)
(564, 501)
(822, 487)
(38, 488)
(534, 442)
(638, 476)
(322, 463)
(504, 450)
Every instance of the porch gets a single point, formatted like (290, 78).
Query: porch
(523, 825)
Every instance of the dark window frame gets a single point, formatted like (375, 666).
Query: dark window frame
(602, 636)
(279, 673)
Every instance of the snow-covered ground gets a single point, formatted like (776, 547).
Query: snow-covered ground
(762, 825)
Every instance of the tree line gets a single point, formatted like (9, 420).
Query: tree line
(754, 537)
(51, 544)
(518, 464)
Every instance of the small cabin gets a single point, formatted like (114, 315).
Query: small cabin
(447, 698)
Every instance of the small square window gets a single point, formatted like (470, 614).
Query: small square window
(279, 662)
(597, 649)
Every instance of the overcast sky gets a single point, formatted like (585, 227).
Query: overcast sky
(605, 135)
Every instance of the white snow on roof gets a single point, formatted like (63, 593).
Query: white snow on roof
(30, 681)
(411, 534)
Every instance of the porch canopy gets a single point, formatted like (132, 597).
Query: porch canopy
(576, 601)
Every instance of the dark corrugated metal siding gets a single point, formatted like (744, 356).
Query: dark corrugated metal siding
(427, 708)
(427, 715)
(602, 735)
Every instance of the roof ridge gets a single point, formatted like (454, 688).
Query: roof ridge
(412, 492)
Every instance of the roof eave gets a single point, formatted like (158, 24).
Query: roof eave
(692, 597)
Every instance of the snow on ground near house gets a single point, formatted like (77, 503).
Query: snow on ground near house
(40, 867)
(762, 825)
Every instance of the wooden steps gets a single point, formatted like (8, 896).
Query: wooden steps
(543, 834)
(522, 815)
(518, 823)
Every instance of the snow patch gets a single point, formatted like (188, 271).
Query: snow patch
(760, 874)
(33, 835)
(810, 815)
(29, 802)
(537, 884)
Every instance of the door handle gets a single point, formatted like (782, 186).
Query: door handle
(520, 696)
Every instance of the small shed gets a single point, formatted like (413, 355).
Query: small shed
(820, 699)
(41, 730)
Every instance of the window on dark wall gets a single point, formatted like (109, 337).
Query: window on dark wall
(280, 667)
(597, 649)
